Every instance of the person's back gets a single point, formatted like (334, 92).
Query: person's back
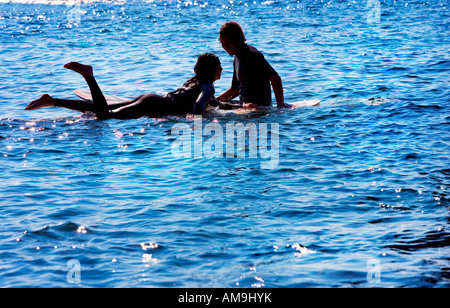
(251, 76)
(183, 99)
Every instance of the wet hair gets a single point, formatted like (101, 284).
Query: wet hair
(233, 31)
(206, 67)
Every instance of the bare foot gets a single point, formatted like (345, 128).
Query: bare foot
(82, 69)
(45, 101)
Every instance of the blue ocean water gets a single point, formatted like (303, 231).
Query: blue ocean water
(359, 196)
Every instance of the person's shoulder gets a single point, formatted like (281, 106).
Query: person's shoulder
(255, 53)
(208, 88)
(191, 82)
(246, 51)
(254, 50)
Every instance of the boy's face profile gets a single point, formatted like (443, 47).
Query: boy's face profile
(228, 45)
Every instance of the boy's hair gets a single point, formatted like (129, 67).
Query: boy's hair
(233, 31)
(206, 67)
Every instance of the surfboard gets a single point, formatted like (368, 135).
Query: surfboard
(305, 103)
(297, 104)
(86, 95)
(110, 99)
(242, 111)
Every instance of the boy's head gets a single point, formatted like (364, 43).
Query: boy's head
(231, 37)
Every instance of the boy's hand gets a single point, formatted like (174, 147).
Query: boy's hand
(284, 105)
(250, 106)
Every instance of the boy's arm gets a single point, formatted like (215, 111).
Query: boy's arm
(227, 95)
(277, 87)
(232, 92)
(204, 98)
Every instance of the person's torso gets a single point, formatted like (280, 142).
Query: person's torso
(253, 74)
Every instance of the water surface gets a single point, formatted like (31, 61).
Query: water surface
(359, 197)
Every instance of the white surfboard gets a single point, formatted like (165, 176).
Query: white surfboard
(86, 95)
(297, 104)
(305, 103)
(242, 110)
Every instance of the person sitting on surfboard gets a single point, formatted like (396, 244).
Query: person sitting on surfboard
(192, 97)
(252, 74)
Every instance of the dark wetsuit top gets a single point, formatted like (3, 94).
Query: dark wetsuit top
(186, 98)
(251, 76)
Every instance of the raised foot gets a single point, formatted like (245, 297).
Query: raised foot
(82, 69)
(45, 101)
